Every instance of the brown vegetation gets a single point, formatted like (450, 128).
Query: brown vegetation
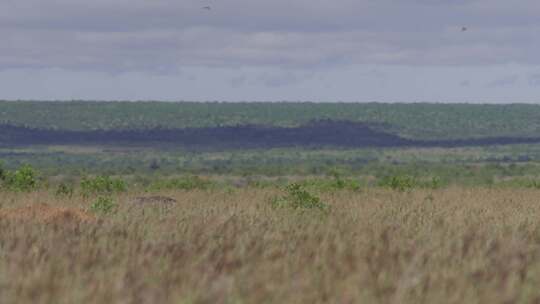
(43, 213)
(454, 245)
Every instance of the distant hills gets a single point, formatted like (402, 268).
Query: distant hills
(403, 122)
(317, 134)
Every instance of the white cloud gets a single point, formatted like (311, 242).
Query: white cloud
(144, 35)
(505, 81)
(279, 49)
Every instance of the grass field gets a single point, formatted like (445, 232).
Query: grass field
(453, 245)
(471, 165)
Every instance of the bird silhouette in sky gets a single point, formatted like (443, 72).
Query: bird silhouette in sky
(464, 29)
(208, 8)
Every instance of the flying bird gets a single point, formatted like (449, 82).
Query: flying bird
(207, 8)
(464, 29)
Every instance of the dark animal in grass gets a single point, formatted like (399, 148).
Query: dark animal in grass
(156, 200)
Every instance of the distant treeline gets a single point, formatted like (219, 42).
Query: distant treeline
(420, 121)
(324, 133)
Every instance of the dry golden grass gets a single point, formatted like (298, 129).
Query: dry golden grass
(446, 246)
(45, 214)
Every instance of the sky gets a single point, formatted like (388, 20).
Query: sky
(278, 50)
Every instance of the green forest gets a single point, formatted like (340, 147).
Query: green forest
(425, 121)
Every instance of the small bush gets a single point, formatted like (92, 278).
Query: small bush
(23, 179)
(435, 183)
(2, 172)
(532, 184)
(103, 185)
(64, 190)
(103, 205)
(340, 183)
(299, 199)
(399, 182)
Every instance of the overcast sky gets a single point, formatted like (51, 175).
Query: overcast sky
(256, 50)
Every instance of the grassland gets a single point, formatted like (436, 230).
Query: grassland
(453, 245)
(471, 166)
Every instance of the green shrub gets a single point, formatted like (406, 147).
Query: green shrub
(298, 198)
(435, 183)
(2, 172)
(184, 183)
(64, 190)
(103, 205)
(102, 185)
(340, 183)
(23, 179)
(533, 184)
(399, 182)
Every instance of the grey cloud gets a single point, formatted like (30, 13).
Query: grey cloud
(534, 80)
(465, 83)
(505, 81)
(271, 78)
(279, 80)
(238, 81)
(163, 35)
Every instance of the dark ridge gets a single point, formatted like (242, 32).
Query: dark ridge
(315, 134)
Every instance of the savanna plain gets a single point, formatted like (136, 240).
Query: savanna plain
(269, 203)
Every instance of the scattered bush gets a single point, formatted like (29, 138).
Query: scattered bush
(64, 190)
(299, 199)
(340, 183)
(435, 183)
(2, 172)
(399, 182)
(104, 205)
(102, 185)
(23, 179)
(532, 184)
(184, 183)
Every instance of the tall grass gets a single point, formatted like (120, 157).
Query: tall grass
(452, 245)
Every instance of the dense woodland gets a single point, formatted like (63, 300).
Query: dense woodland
(318, 134)
(422, 121)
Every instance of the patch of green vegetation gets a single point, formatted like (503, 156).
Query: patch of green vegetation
(399, 182)
(23, 179)
(3, 171)
(298, 198)
(103, 205)
(64, 190)
(315, 168)
(102, 185)
(460, 165)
